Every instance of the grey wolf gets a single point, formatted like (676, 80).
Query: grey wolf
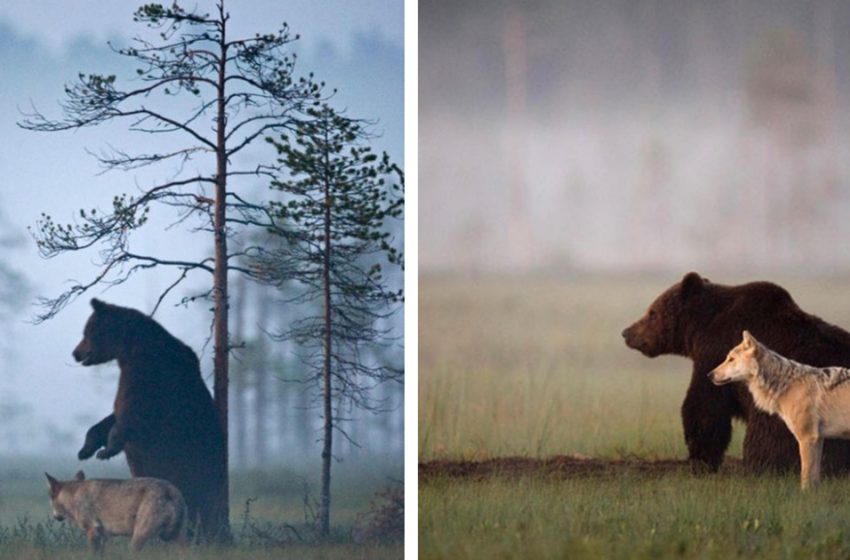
(813, 402)
(141, 508)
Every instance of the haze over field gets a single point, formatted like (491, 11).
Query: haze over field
(632, 136)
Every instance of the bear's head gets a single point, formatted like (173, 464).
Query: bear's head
(102, 336)
(663, 329)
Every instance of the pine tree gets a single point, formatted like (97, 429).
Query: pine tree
(241, 90)
(337, 199)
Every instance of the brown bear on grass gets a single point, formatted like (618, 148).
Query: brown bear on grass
(164, 418)
(703, 321)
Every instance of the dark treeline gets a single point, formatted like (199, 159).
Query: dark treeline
(620, 51)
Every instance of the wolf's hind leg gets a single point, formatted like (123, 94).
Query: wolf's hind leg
(141, 533)
(149, 523)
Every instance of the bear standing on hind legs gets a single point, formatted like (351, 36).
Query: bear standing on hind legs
(164, 418)
(702, 321)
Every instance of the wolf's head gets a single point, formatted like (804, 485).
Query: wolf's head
(740, 365)
(58, 498)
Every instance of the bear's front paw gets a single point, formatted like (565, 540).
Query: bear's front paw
(86, 452)
(106, 454)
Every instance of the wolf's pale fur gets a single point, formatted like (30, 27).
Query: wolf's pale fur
(813, 402)
(140, 508)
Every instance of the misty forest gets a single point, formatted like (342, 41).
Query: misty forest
(249, 206)
(634, 136)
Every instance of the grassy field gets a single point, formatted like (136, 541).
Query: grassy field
(276, 507)
(536, 367)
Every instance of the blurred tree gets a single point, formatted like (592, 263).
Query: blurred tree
(262, 362)
(779, 85)
(340, 196)
(13, 414)
(785, 103)
(239, 373)
(242, 89)
(13, 284)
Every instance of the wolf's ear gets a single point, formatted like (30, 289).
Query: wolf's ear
(97, 305)
(749, 340)
(80, 476)
(53, 484)
(692, 284)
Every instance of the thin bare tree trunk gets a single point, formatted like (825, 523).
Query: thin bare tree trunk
(325, 512)
(220, 338)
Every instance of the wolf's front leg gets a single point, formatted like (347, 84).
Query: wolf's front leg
(97, 537)
(115, 441)
(96, 437)
(811, 449)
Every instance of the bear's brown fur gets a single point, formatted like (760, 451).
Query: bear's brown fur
(164, 418)
(702, 321)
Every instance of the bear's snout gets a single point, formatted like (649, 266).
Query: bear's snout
(81, 352)
(631, 339)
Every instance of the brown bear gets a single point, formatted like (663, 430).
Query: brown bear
(164, 418)
(702, 321)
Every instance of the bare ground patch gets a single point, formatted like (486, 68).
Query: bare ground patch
(559, 466)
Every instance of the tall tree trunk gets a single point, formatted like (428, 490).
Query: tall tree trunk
(219, 292)
(325, 512)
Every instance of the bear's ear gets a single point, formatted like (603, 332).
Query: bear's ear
(80, 476)
(97, 305)
(692, 284)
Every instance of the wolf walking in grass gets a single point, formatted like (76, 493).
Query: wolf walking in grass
(813, 402)
(140, 508)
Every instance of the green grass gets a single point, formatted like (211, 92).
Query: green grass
(634, 517)
(537, 367)
(276, 499)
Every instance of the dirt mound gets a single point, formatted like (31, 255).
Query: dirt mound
(565, 466)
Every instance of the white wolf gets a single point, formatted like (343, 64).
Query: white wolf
(813, 402)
